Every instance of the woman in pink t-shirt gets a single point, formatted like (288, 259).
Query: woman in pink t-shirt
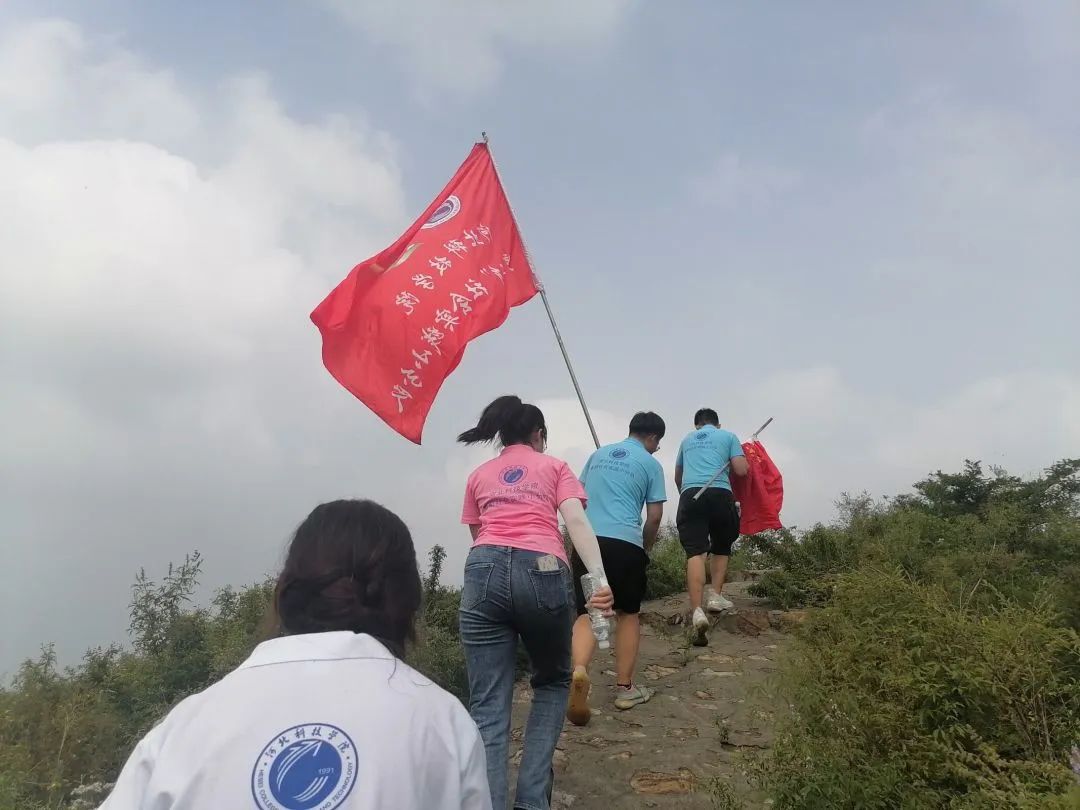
(518, 586)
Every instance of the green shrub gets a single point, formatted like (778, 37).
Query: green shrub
(667, 560)
(440, 656)
(961, 531)
(438, 652)
(943, 666)
(903, 698)
(667, 565)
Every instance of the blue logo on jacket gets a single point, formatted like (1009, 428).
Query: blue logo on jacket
(308, 766)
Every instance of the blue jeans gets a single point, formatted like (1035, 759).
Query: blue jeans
(507, 596)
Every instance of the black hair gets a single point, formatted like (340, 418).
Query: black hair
(706, 416)
(350, 566)
(512, 420)
(647, 423)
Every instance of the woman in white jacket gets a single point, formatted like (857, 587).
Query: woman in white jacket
(327, 715)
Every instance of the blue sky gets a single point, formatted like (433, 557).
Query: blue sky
(856, 218)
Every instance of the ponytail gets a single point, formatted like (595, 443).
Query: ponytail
(513, 421)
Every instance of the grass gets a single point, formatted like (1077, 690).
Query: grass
(941, 667)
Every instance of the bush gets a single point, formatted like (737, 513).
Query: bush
(667, 561)
(667, 565)
(961, 531)
(440, 656)
(903, 698)
(943, 666)
(438, 652)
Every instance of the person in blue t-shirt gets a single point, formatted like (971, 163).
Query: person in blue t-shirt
(709, 524)
(620, 480)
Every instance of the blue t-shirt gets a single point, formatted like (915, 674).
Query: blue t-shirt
(619, 480)
(704, 452)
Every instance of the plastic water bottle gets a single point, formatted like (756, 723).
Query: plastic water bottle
(601, 627)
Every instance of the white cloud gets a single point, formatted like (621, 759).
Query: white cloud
(460, 46)
(830, 437)
(1022, 421)
(157, 252)
(162, 245)
(161, 251)
(53, 80)
(986, 188)
(735, 181)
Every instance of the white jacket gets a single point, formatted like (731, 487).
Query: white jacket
(311, 722)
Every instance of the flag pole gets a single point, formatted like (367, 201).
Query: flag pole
(720, 472)
(547, 304)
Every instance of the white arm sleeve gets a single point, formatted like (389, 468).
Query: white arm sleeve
(130, 790)
(582, 535)
(475, 794)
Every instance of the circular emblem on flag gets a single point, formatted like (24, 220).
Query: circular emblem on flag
(513, 475)
(305, 767)
(619, 452)
(448, 210)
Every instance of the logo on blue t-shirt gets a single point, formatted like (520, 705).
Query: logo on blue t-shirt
(701, 435)
(513, 475)
(303, 767)
(619, 480)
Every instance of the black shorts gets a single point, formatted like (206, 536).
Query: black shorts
(709, 525)
(624, 564)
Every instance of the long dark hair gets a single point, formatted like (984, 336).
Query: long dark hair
(351, 566)
(512, 420)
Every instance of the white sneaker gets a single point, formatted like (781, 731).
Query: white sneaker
(699, 635)
(634, 696)
(716, 603)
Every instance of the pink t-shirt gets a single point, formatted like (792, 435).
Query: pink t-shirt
(515, 499)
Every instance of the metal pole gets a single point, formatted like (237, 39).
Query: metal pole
(547, 304)
(728, 462)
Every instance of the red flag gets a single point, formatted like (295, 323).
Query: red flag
(761, 493)
(398, 325)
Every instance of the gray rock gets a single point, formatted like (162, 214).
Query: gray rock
(89, 797)
(562, 801)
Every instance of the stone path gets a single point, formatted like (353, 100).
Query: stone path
(683, 748)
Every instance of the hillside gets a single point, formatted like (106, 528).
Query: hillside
(684, 748)
(936, 665)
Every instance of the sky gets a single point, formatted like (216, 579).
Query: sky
(859, 219)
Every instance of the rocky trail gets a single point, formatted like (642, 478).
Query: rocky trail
(683, 748)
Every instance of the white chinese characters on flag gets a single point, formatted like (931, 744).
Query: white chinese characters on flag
(398, 325)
